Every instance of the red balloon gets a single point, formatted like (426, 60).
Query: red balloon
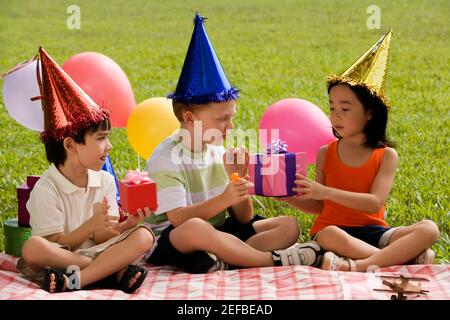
(105, 82)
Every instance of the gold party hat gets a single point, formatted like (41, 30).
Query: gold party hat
(370, 70)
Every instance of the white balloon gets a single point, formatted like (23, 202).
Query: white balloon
(18, 89)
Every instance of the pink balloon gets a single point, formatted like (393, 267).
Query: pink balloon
(105, 82)
(302, 125)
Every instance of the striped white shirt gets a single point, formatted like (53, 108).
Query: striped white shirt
(184, 178)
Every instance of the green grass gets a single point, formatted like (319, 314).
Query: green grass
(271, 50)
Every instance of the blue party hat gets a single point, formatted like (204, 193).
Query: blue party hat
(108, 167)
(202, 78)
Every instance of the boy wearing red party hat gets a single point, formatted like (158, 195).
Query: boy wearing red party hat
(205, 222)
(73, 211)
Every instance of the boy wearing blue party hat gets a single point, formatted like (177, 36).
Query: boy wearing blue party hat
(205, 222)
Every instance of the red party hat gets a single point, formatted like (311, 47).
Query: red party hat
(67, 108)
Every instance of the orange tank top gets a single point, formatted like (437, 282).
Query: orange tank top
(354, 179)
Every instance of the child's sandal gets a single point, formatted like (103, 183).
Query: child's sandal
(112, 282)
(130, 273)
(351, 264)
(333, 262)
(60, 280)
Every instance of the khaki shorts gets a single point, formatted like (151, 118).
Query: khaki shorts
(91, 252)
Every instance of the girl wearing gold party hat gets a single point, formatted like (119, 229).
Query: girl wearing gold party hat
(354, 175)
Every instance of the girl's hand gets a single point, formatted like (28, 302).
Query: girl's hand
(309, 189)
(134, 220)
(100, 219)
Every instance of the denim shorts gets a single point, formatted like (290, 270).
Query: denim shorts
(377, 236)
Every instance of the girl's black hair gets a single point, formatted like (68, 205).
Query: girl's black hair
(55, 151)
(375, 129)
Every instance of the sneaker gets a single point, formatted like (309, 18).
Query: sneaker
(204, 262)
(218, 264)
(426, 257)
(305, 254)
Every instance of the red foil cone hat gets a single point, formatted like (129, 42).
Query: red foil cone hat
(67, 108)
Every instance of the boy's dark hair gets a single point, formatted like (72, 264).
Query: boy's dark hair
(375, 129)
(179, 108)
(55, 151)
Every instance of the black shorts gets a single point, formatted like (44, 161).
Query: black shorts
(377, 236)
(199, 261)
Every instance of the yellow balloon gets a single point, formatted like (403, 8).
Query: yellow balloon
(149, 123)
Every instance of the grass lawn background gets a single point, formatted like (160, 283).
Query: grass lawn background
(271, 50)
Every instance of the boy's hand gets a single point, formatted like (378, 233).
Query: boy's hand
(236, 160)
(100, 219)
(134, 220)
(309, 189)
(236, 192)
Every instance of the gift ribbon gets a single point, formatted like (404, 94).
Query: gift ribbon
(290, 172)
(276, 147)
(258, 178)
(136, 177)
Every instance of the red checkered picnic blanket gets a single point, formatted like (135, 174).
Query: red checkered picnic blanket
(293, 283)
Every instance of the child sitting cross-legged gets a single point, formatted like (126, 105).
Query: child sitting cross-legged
(77, 239)
(205, 222)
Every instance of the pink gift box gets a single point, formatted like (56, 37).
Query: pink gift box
(274, 174)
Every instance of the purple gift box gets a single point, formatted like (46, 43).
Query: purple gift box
(273, 174)
(31, 181)
(23, 194)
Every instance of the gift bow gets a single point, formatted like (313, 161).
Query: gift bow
(276, 147)
(136, 177)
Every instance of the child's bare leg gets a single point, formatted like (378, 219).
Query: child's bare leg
(429, 225)
(274, 233)
(118, 257)
(334, 239)
(197, 234)
(406, 244)
(340, 242)
(39, 253)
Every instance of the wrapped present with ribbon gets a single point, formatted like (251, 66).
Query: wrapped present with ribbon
(31, 181)
(23, 194)
(137, 190)
(273, 173)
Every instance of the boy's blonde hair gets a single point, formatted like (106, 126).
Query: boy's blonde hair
(179, 108)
